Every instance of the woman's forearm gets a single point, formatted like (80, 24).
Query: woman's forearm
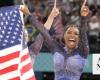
(51, 17)
(48, 23)
(83, 37)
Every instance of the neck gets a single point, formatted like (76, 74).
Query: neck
(70, 50)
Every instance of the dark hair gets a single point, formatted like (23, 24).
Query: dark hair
(71, 25)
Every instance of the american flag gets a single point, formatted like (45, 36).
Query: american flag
(15, 63)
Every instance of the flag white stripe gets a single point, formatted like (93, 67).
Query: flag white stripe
(10, 75)
(28, 74)
(10, 50)
(24, 52)
(25, 62)
(9, 63)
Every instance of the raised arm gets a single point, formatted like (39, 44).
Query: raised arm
(44, 31)
(84, 46)
(37, 44)
(51, 17)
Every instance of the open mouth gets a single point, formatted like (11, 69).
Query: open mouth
(72, 41)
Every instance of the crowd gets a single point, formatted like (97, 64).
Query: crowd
(70, 13)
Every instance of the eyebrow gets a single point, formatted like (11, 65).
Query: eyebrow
(75, 30)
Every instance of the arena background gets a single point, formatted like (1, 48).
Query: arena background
(44, 69)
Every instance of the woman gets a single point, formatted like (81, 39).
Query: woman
(69, 60)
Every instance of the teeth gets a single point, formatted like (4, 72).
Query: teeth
(71, 39)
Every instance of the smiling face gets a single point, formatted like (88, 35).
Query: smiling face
(71, 37)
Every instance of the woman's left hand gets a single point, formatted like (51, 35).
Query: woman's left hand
(85, 11)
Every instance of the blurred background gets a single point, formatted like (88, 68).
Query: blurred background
(69, 13)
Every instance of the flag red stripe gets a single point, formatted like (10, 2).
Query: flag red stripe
(15, 78)
(9, 69)
(25, 57)
(9, 57)
(26, 68)
(32, 78)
